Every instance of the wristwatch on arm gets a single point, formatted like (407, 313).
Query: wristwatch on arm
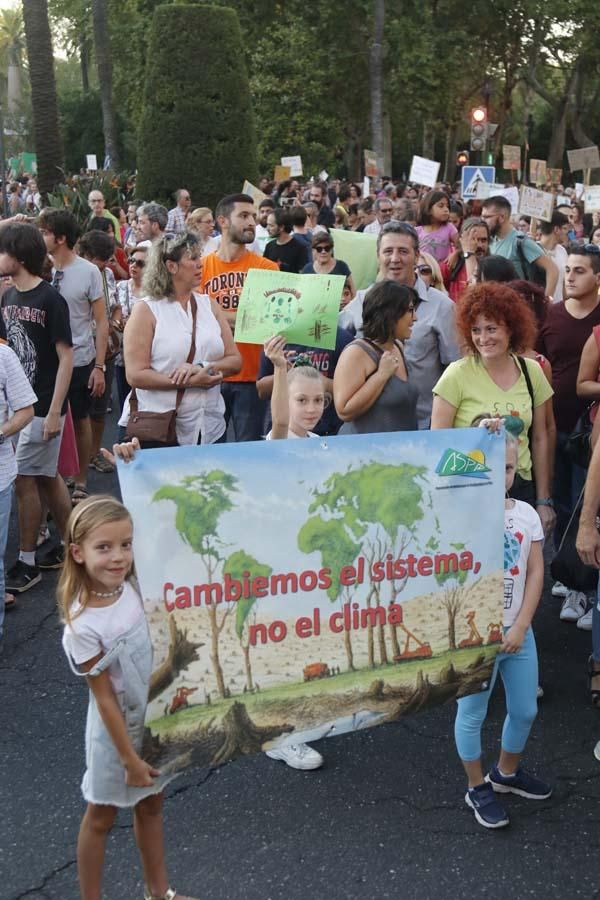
(545, 501)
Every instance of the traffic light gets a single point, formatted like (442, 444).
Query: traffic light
(462, 158)
(478, 128)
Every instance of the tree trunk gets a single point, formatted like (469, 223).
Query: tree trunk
(556, 150)
(214, 650)
(349, 651)
(84, 63)
(450, 152)
(429, 139)
(451, 629)
(376, 78)
(104, 65)
(370, 641)
(248, 667)
(46, 131)
(383, 657)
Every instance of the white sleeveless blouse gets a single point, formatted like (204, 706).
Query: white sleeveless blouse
(202, 410)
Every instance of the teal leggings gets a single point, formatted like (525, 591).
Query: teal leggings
(519, 673)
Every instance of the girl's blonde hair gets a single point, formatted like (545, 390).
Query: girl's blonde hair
(306, 370)
(88, 515)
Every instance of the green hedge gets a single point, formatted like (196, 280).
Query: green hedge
(197, 128)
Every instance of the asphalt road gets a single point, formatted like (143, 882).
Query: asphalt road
(384, 818)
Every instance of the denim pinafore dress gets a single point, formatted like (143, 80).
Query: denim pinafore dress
(104, 779)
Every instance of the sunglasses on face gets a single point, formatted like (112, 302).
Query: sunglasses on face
(137, 262)
(323, 249)
(424, 270)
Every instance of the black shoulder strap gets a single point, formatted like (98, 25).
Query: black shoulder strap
(527, 377)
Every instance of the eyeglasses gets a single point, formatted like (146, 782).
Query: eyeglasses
(137, 262)
(424, 270)
(323, 249)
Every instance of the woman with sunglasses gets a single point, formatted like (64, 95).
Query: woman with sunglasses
(429, 270)
(171, 318)
(128, 293)
(324, 262)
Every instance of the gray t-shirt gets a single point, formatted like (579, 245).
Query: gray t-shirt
(80, 283)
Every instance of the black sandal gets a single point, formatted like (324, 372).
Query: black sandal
(593, 673)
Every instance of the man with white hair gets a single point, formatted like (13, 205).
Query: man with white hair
(179, 213)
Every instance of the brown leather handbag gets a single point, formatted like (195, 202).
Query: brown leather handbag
(154, 427)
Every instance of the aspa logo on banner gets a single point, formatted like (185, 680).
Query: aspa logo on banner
(467, 465)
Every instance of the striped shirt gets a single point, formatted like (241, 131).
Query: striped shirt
(15, 394)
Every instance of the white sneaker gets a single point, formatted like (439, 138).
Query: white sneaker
(574, 606)
(585, 622)
(297, 756)
(559, 589)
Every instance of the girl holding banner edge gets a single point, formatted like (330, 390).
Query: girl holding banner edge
(106, 640)
(516, 662)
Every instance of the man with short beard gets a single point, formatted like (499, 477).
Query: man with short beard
(316, 195)
(223, 276)
(505, 241)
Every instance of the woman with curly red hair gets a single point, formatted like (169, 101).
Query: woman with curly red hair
(496, 327)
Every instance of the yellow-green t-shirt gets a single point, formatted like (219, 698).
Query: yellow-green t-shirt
(466, 385)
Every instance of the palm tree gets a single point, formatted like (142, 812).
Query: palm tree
(12, 44)
(48, 142)
(104, 64)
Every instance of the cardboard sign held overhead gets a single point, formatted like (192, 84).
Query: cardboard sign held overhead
(498, 190)
(366, 188)
(282, 173)
(91, 162)
(591, 198)
(553, 176)
(584, 158)
(537, 204)
(537, 171)
(424, 171)
(485, 190)
(294, 163)
(371, 164)
(511, 154)
(252, 191)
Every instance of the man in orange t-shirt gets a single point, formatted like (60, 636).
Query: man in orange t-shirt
(223, 276)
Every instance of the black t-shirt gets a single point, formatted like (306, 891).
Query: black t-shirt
(291, 257)
(323, 360)
(340, 268)
(36, 321)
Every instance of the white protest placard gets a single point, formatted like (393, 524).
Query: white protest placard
(511, 156)
(254, 192)
(91, 162)
(485, 190)
(584, 158)
(294, 163)
(323, 175)
(537, 204)
(563, 200)
(591, 198)
(579, 189)
(424, 171)
(537, 171)
(366, 188)
(498, 190)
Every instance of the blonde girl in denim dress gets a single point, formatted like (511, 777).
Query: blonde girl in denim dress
(106, 640)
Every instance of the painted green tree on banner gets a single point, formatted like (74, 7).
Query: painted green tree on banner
(236, 565)
(377, 508)
(453, 583)
(200, 501)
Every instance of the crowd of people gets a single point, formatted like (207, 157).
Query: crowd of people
(475, 316)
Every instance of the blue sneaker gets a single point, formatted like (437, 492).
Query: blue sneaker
(520, 783)
(488, 811)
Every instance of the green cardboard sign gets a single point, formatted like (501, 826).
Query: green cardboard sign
(359, 251)
(302, 308)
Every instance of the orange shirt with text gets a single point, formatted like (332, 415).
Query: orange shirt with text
(223, 282)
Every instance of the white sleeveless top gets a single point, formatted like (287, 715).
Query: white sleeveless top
(202, 409)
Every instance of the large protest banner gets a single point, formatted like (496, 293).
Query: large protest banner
(299, 589)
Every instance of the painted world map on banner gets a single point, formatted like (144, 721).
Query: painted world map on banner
(300, 589)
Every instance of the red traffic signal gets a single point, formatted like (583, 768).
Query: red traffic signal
(478, 115)
(462, 158)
